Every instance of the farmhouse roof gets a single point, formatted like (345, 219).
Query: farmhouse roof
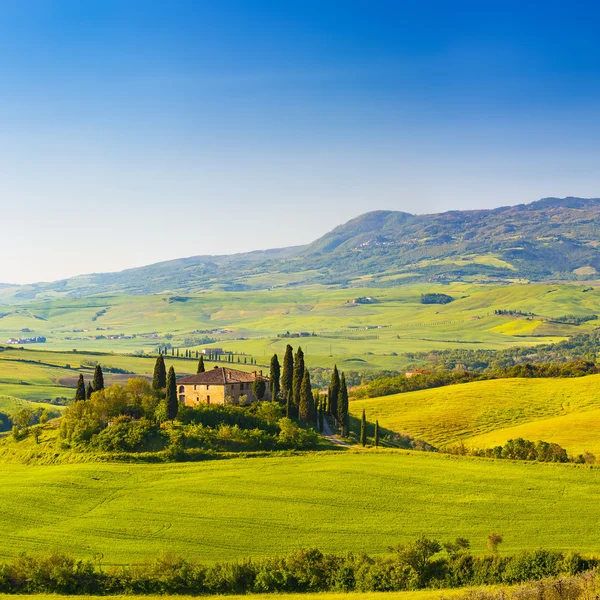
(221, 376)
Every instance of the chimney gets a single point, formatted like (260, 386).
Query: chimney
(254, 373)
(260, 372)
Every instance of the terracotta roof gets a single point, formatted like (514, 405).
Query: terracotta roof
(220, 376)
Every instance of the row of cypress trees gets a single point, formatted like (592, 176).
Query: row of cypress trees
(85, 393)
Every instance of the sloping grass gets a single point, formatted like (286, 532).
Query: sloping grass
(447, 415)
(354, 501)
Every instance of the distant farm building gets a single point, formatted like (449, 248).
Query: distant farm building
(220, 385)
(414, 372)
(213, 351)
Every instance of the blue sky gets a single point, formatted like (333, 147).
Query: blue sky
(133, 132)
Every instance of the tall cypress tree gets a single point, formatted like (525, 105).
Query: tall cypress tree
(201, 368)
(274, 375)
(306, 410)
(159, 381)
(80, 391)
(89, 391)
(287, 374)
(321, 413)
(288, 405)
(298, 377)
(376, 434)
(342, 408)
(363, 429)
(172, 402)
(98, 379)
(334, 392)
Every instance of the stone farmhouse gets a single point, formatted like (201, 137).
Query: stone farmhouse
(219, 384)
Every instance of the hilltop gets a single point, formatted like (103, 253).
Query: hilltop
(552, 238)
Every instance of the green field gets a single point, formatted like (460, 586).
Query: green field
(486, 413)
(355, 336)
(229, 509)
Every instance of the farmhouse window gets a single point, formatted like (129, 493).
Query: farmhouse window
(181, 389)
(207, 386)
(207, 399)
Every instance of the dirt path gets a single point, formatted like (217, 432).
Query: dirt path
(332, 437)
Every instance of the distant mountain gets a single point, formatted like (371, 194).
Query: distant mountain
(553, 238)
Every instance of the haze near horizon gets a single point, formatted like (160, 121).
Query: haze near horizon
(135, 133)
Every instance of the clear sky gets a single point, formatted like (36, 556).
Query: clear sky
(138, 131)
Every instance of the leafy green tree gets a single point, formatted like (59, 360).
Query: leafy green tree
(287, 374)
(172, 404)
(98, 379)
(80, 391)
(159, 381)
(89, 391)
(275, 374)
(298, 377)
(306, 410)
(342, 406)
(334, 392)
(376, 434)
(259, 387)
(201, 368)
(363, 429)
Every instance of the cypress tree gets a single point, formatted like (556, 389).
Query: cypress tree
(80, 391)
(342, 406)
(159, 381)
(334, 392)
(89, 391)
(288, 405)
(287, 374)
(201, 368)
(363, 429)
(321, 405)
(274, 375)
(98, 379)
(376, 434)
(298, 377)
(306, 409)
(172, 402)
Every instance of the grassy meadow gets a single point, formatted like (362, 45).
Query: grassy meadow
(337, 501)
(486, 413)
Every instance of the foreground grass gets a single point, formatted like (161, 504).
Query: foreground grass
(420, 595)
(231, 509)
(485, 413)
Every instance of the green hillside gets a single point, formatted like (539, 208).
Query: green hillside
(229, 509)
(481, 413)
(372, 335)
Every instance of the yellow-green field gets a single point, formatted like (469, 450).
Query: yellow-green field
(486, 413)
(337, 501)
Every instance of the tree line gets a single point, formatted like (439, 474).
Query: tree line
(424, 563)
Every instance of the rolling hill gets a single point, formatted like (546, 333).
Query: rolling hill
(487, 413)
(552, 238)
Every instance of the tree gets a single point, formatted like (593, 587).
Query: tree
(98, 379)
(334, 392)
(298, 377)
(363, 429)
(494, 540)
(172, 404)
(89, 391)
(287, 374)
(307, 404)
(159, 381)
(201, 368)
(376, 434)
(275, 374)
(259, 387)
(342, 405)
(80, 391)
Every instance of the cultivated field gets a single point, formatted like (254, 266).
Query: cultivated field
(486, 413)
(337, 501)
(353, 335)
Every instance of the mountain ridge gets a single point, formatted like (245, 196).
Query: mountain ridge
(551, 238)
